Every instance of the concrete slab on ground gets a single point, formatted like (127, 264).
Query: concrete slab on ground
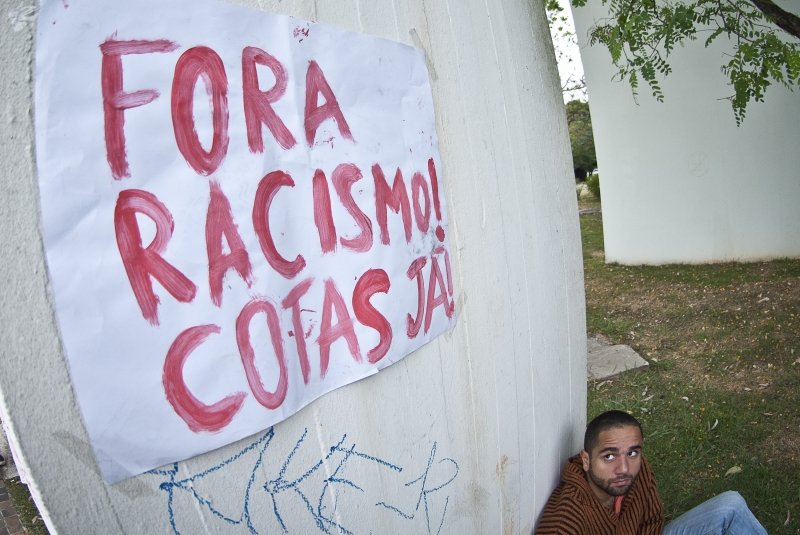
(604, 360)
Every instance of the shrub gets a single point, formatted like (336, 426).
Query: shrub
(593, 183)
(579, 120)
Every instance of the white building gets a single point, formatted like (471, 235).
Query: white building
(680, 182)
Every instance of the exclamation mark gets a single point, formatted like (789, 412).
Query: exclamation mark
(449, 283)
(436, 206)
(441, 250)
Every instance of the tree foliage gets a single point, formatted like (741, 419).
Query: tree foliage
(563, 38)
(584, 159)
(641, 34)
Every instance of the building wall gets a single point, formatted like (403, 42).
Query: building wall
(680, 182)
(499, 401)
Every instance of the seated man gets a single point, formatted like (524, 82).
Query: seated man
(609, 489)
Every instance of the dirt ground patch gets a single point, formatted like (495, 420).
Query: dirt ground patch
(732, 337)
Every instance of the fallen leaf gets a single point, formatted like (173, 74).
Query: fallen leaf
(648, 398)
(732, 471)
(748, 389)
(762, 300)
(762, 386)
(600, 385)
(788, 518)
(716, 423)
(796, 362)
(684, 398)
(767, 414)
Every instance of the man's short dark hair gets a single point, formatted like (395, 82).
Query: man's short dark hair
(603, 422)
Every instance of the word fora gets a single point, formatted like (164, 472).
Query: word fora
(202, 62)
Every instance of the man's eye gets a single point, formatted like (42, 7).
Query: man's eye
(633, 454)
(609, 457)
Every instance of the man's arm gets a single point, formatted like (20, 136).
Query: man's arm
(562, 516)
(653, 523)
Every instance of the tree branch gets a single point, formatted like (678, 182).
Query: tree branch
(788, 22)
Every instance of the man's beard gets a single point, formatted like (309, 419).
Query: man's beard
(607, 484)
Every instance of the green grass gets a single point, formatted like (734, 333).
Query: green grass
(25, 508)
(722, 388)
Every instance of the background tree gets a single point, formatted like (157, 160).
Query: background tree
(641, 34)
(573, 84)
(578, 118)
(584, 159)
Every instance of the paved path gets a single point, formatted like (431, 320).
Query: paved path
(9, 521)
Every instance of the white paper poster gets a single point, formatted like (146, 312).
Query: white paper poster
(242, 212)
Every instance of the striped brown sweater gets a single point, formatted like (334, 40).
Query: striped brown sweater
(573, 509)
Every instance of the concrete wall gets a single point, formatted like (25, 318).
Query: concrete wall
(680, 182)
(478, 422)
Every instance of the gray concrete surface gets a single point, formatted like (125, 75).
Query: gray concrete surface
(587, 211)
(604, 360)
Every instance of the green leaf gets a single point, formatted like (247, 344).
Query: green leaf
(733, 470)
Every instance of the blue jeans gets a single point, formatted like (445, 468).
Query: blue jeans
(726, 514)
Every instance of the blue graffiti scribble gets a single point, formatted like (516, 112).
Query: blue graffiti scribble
(187, 484)
(280, 484)
(425, 491)
(336, 458)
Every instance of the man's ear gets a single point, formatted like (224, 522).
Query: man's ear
(585, 459)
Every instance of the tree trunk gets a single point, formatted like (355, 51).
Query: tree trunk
(786, 21)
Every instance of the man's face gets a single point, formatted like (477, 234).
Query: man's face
(613, 464)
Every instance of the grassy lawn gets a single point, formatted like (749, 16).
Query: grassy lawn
(721, 394)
